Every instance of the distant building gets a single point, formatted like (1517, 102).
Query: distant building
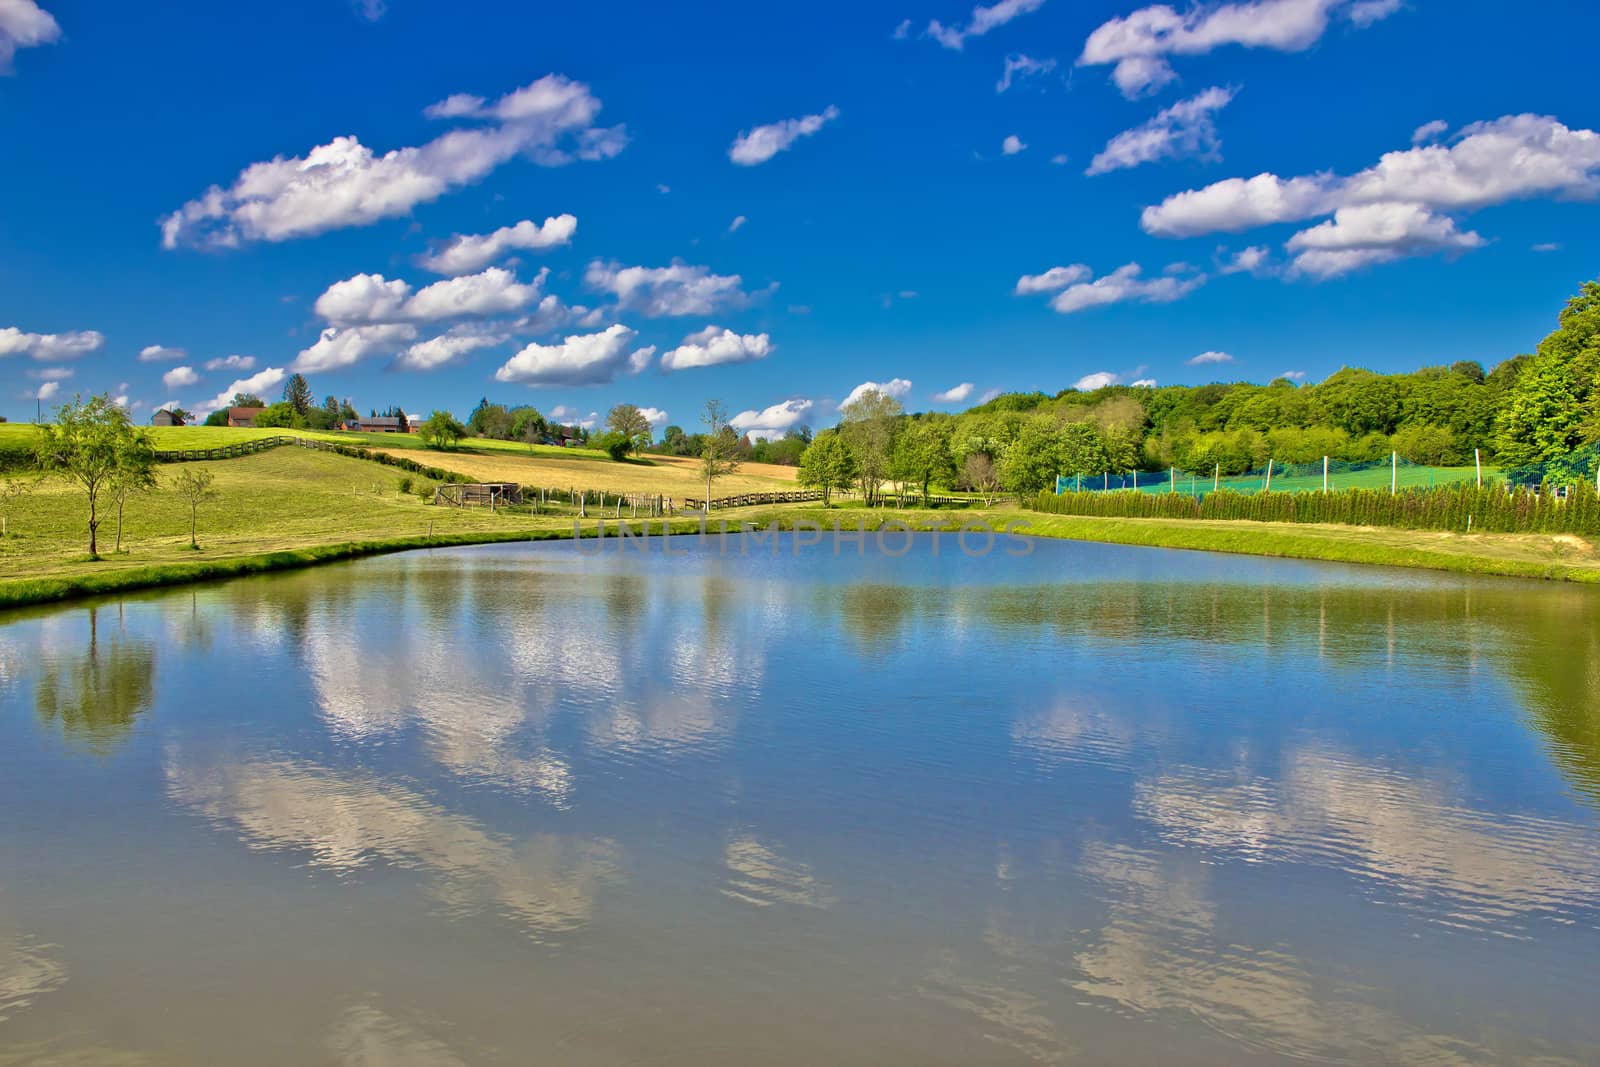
(166, 417)
(243, 416)
(383, 424)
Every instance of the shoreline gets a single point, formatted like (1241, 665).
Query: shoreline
(1360, 545)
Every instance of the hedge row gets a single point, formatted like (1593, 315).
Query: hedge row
(1452, 507)
(438, 474)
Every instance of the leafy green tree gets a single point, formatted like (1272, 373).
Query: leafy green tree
(1543, 418)
(613, 444)
(631, 423)
(218, 417)
(330, 413)
(280, 415)
(195, 486)
(246, 400)
(719, 448)
(828, 464)
(528, 426)
(868, 424)
(441, 430)
(85, 446)
(922, 454)
(297, 394)
(135, 473)
(674, 442)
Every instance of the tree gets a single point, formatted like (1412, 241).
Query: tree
(330, 409)
(719, 452)
(281, 414)
(218, 417)
(631, 423)
(613, 444)
(980, 475)
(1543, 417)
(868, 425)
(441, 430)
(922, 454)
(196, 487)
(674, 442)
(828, 464)
(528, 426)
(297, 394)
(246, 400)
(135, 473)
(84, 447)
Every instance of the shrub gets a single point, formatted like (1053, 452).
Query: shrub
(405, 484)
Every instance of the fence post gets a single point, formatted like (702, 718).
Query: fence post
(1174, 472)
(1216, 478)
(1268, 489)
(1324, 474)
(1394, 473)
(1477, 461)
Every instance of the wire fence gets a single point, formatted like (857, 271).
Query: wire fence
(1324, 475)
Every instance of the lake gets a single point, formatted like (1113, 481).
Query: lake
(534, 804)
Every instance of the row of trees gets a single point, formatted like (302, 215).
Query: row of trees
(1528, 409)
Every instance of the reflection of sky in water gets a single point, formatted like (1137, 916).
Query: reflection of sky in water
(1091, 804)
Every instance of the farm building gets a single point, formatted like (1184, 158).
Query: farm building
(243, 416)
(166, 417)
(383, 424)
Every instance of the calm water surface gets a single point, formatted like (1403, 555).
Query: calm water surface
(522, 805)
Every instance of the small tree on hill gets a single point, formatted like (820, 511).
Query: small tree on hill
(297, 394)
(828, 464)
(84, 447)
(868, 424)
(135, 473)
(441, 430)
(980, 475)
(196, 487)
(719, 452)
(631, 423)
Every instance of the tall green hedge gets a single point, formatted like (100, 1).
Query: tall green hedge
(1450, 507)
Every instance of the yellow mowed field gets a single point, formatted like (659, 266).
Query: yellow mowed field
(672, 476)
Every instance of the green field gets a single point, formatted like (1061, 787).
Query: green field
(1409, 477)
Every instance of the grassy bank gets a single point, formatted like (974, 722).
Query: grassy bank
(1560, 557)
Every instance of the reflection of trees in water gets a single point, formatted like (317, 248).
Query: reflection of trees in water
(95, 696)
(1545, 640)
(875, 615)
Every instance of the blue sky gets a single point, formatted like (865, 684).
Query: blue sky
(1301, 184)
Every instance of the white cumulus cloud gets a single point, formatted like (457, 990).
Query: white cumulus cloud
(1012, 145)
(24, 24)
(1019, 67)
(449, 347)
(895, 387)
(1184, 129)
(345, 183)
(161, 354)
(654, 416)
(760, 144)
(954, 395)
(1122, 285)
(1138, 44)
(714, 346)
(47, 390)
(339, 347)
(261, 384)
(773, 422)
(1360, 236)
(232, 363)
(1098, 380)
(582, 359)
(367, 299)
(1052, 280)
(983, 20)
(179, 378)
(465, 253)
(1210, 357)
(47, 347)
(657, 292)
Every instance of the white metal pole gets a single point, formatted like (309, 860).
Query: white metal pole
(1216, 478)
(1477, 461)
(1394, 473)
(1269, 476)
(1174, 471)
(1324, 474)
